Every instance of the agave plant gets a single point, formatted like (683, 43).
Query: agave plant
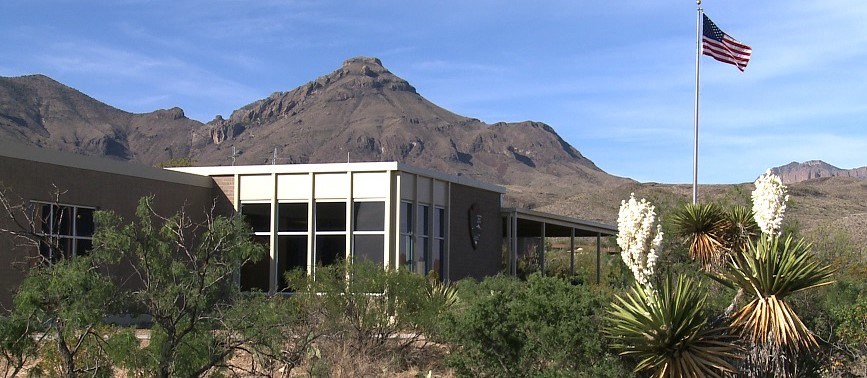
(669, 332)
(705, 228)
(768, 272)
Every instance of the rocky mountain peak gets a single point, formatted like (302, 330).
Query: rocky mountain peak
(813, 169)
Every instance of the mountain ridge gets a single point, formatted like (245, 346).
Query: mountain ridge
(795, 172)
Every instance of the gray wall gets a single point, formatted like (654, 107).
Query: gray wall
(486, 259)
(26, 180)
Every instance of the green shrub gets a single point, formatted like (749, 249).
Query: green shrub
(542, 327)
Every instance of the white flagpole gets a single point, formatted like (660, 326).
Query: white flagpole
(695, 119)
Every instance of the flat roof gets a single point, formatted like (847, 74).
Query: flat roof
(530, 221)
(98, 164)
(337, 167)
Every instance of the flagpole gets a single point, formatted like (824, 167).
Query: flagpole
(695, 118)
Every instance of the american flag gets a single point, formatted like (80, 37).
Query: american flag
(722, 47)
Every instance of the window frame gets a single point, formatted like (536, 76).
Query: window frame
(55, 237)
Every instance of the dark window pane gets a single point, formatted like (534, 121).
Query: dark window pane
(291, 255)
(406, 217)
(292, 217)
(84, 222)
(83, 246)
(370, 248)
(45, 218)
(331, 216)
(424, 220)
(255, 276)
(437, 257)
(330, 249)
(257, 215)
(369, 216)
(440, 223)
(63, 220)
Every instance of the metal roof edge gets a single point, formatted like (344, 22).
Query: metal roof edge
(98, 164)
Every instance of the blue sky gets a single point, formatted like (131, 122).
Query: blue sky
(615, 79)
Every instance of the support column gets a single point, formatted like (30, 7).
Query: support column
(598, 255)
(542, 250)
(572, 251)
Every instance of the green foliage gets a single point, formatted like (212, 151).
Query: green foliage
(176, 162)
(769, 272)
(669, 332)
(67, 300)
(704, 228)
(186, 269)
(542, 327)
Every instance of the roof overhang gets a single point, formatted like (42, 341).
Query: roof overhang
(530, 224)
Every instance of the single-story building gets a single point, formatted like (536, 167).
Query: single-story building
(390, 213)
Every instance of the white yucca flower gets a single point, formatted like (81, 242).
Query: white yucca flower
(639, 238)
(769, 203)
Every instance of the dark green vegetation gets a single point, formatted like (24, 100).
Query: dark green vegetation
(360, 320)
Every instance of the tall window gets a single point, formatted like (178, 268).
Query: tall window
(67, 230)
(406, 235)
(368, 232)
(255, 276)
(439, 241)
(291, 240)
(422, 258)
(330, 232)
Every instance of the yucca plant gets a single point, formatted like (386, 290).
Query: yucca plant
(741, 228)
(704, 227)
(768, 272)
(668, 331)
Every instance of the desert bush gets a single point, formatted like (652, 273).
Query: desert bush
(544, 326)
(369, 318)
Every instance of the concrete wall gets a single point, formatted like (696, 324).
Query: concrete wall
(486, 259)
(25, 180)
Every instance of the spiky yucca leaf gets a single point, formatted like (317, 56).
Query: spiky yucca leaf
(768, 272)
(668, 331)
(741, 228)
(705, 228)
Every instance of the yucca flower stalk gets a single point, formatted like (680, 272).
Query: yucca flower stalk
(639, 238)
(769, 203)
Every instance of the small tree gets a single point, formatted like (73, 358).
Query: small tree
(186, 273)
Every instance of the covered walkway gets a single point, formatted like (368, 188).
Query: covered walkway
(523, 223)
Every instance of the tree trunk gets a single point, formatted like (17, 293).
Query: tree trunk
(67, 369)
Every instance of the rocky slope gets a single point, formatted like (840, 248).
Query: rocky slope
(813, 169)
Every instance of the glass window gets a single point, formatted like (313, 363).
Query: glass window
(331, 216)
(406, 235)
(422, 259)
(257, 215)
(369, 216)
(254, 275)
(292, 217)
(369, 248)
(330, 249)
(291, 255)
(66, 230)
(439, 245)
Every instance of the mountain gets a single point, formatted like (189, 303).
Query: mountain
(39, 111)
(813, 169)
(359, 112)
